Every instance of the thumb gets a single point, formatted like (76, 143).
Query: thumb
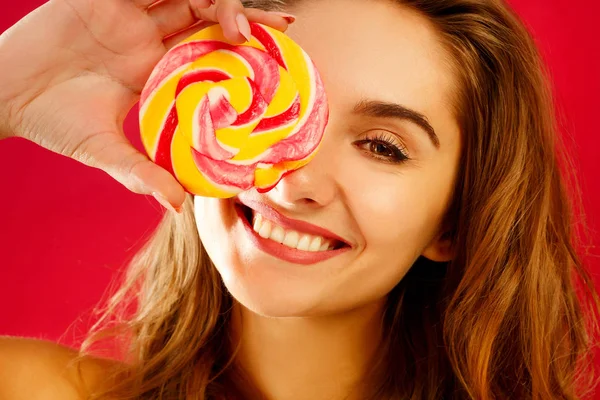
(115, 155)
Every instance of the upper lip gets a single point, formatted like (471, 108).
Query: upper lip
(301, 226)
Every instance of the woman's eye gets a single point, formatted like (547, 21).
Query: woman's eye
(383, 148)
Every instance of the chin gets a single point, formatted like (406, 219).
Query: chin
(272, 295)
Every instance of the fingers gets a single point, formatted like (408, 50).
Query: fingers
(144, 3)
(201, 3)
(274, 19)
(229, 14)
(155, 181)
(178, 17)
(173, 40)
(234, 18)
(172, 16)
(114, 154)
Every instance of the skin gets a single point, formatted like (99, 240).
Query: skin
(390, 213)
(297, 324)
(71, 91)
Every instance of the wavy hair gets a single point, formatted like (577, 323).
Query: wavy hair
(512, 316)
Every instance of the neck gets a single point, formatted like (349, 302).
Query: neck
(324, 357)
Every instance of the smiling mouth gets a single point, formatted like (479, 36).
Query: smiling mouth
(293, 239)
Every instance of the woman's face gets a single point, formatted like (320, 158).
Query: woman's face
(389, 85)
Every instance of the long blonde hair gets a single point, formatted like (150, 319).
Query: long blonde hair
(510, 317)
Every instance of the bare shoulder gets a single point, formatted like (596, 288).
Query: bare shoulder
(35, 369)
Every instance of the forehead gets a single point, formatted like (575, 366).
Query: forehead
(377, 50)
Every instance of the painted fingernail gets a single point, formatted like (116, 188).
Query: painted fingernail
(243, 26)
(212, 1)
(288, 17)
(164, 202)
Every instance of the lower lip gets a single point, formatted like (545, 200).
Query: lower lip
(283, 252)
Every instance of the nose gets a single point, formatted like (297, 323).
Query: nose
(312, 186)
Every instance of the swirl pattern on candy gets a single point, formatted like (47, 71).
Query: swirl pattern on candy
(224, 118)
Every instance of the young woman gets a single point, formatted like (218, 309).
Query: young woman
(449, 272)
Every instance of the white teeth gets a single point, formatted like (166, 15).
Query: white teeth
(257, 222)
(265, 230)
(277, 234)
(268, 230)
(315, 244)
(304, 243)
(291, 239)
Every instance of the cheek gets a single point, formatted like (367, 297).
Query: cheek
(213, 224)
(207, 214)
(396, 216)
(397, 212)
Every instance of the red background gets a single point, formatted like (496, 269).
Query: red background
(66, 228)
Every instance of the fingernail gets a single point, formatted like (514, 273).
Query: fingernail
(212, 1)
(165, 203)
(243, 26)
(288, 17)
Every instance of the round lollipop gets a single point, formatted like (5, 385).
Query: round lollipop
(224, 118)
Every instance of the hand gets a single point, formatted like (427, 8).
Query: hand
(72, 69)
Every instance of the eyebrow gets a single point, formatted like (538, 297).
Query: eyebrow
(381, 109)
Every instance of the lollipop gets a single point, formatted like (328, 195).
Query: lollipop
(224, 118)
